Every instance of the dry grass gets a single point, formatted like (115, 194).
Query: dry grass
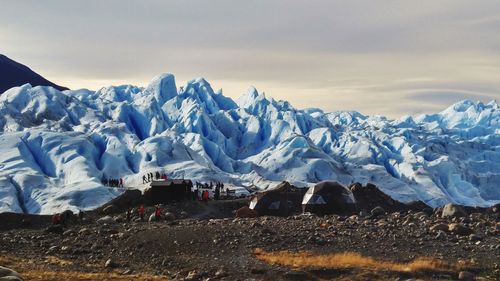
(5, 261)
(57, 261)
(84, 276)
(352, 260)
(30, 270)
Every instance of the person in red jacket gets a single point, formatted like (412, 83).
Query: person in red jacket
(205, 195)
(158, 212)
(142, 212)
(56, 219)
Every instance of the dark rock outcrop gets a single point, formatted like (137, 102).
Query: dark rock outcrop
(15, 74)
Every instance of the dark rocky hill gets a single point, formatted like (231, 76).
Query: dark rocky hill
(14, 74)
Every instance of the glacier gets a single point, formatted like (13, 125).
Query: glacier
(57, 146)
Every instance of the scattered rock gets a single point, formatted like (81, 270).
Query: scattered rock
(377, 211)
(184, 214)
(9, 274)
(221, 273)
(495, 209)
(256, 270)
(169, 216)
(453, 211)
(110, 264)
(153, 218)
(459, 229)
(475, 237)
(83, 231)
(193, 275)
(296, 275)
(439, 227)
(127, 272)
(69, 232)
(108, 210)
(466, 276)
(440, 234)
(106, 220)
(246, 212)
(58, 229)
(119, 219)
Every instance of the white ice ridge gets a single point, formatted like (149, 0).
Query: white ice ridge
(56, 147)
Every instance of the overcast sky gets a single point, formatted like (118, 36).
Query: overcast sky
(378, 57)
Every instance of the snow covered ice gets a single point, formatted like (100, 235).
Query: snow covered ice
(55, 147)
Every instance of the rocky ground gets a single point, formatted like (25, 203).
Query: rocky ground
(203, 241)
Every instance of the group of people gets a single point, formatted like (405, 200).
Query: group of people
(202, 191)
(203, 196)
(141, 211)
(66, 216)
(210, 185)
(156, 176)
(113, 182)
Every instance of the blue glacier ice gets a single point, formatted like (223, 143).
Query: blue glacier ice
(55, 147)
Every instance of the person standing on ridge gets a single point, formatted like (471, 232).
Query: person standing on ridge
(80, 215)
(217, 192)
(129, 215)
(56, 219)
(158, 212)
(141, 212)
(144, 179)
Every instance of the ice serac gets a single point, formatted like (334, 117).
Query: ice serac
(162, 87)
(57, 147)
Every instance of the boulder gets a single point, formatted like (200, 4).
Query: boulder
(111, 209)
(459, 229)
(110, 264)
(10, 278)
(466, 276)
(440, 234)
(475, 237)
(84, 231)
(169, 216)
(106, 220)
(246, 212)
(451, 211)
(377, 211)
(68, 216)
(356, 187)
(119, 219)
(9, 274)
(69, 232)
(193, 275)
(439, 226)
(184, 214)
(221, 273)
(127, 199)
(58, 229)
(495, 209)
(153, 218)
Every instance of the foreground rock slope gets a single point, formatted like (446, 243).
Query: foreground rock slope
(208, 243)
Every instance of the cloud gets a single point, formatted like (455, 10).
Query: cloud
(373, 56)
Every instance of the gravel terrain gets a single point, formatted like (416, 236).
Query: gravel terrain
(201, 241)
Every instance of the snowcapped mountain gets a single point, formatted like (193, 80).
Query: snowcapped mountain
(55, 147)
